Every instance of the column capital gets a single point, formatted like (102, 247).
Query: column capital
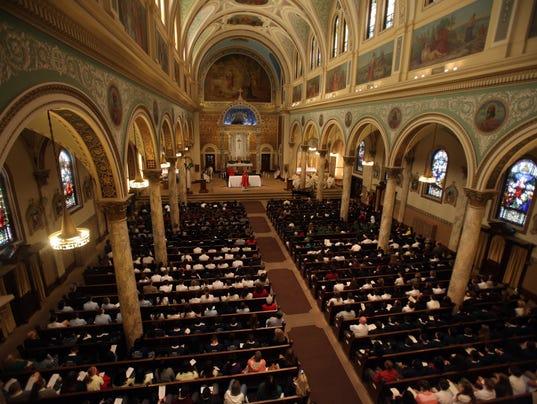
(322, 152)
(152, 175)
(171, 159)
(478, 198)
(349, 160)
(392, 171)
(115, 209)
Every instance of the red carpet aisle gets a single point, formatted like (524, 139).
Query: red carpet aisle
(333, 380)
(286, 287)
(270, 249)
(328, 381)
(253, 207)
(259, 223)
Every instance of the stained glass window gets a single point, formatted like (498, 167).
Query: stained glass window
(7, 234)
(517, 192)
(68, 180)
(439, 164)
(360, 155)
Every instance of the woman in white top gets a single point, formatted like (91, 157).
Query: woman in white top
(236, 393)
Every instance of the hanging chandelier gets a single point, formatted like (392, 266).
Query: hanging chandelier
(68, 237)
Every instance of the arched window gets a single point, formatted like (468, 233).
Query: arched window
(371, 19)
(312, 53)
(68, 178)
(439, 165)
(360, 155)
(517, 192)
(335, 32)
(389, 12)
(345, 38)
(7, 228)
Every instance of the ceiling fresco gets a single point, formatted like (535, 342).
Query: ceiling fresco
(274, 30)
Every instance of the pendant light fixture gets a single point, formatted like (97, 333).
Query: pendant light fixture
(428, 177)
(139, 182)
(68, 237)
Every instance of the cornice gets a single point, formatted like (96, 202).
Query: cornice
(425, 87)
(103, 46)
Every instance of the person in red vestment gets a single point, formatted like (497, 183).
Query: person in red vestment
(245, 180)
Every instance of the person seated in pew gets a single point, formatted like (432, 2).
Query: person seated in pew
(360, 329)
(144, 302)
(90, 305)
(150, 288)
(256, 363)
(55, 323)
(336, 299)
(63, 307)
(388, 374)
(347, 313)
(269, 389)
(269, 304)
(102, 318)
(465, 393)
(484, 389)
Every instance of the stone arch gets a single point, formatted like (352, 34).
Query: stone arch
(86, 131)
(166, 137)
(416, 130)
(145, 138)
(329, 130)
(516, 144)
(362, 130)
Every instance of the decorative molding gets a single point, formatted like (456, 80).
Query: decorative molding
(45, 15)
(153, 175)
(115, 210)
(478, 198)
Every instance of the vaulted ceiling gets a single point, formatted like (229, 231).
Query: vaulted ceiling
(273, 30)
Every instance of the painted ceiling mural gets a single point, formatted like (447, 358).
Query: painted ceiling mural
(235, 75)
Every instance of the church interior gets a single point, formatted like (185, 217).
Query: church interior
(326, 143)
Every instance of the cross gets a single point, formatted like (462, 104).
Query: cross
(240, 93)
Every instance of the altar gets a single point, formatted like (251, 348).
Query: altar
(240, 165)
(235, 181)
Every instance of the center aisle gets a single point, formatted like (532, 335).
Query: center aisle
(331, 375)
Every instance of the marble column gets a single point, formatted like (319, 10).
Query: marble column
(387, 208)
(223, 161)
(182, 179)
(367, 182)
(157, 218)
(172, 193)
(116, 214)
(458, 221)
(346, 192)
(257, 152)
(320, 174)
(303, 165)
(469, 240)
(405, 188)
